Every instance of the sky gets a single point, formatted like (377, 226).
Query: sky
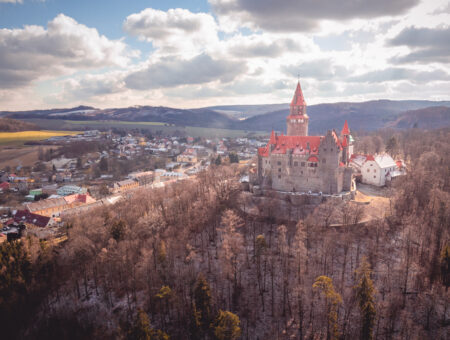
(196, 53)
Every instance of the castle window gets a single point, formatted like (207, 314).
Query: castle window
(374, 170)
(279, 169)
(324, 149)
(303, 163)
(301, 172)
(331, 149)
(371, 164)
(368, 170)
(295, 163)
(279, 163)
(279, 176)
(374, 176)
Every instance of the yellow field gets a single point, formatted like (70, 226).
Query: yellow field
(24, 136)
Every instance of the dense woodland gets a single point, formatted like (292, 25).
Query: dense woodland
(184, 262)
(14, 125)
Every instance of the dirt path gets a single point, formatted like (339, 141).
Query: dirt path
(376, 200)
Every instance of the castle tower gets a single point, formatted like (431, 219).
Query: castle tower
(347, 146)
(297, 121)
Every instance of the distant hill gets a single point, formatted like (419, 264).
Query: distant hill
(370, 115)
(202, 117)
(427, 118)
(367, 116)
(81, 110)
(13, 125)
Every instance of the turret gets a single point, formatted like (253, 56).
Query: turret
(347, 145)
(297, 121)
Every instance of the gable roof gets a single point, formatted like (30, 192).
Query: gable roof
(30, 218)
(46, 204)
(385, 161)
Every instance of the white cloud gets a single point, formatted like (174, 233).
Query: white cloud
(12, 1)
(303, 15)
(177, 30)
(174, 71)
(65, 47)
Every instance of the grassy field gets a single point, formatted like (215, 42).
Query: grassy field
(10, 138)
(154, 127)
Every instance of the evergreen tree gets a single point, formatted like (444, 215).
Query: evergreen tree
(227, 326)
(141, 329)
(202, 302)
(103, 164)
(365, 295)
(218, 160)
(445, 265)
(391, 146)
(118, 230)
(234, 158)
(325, 285)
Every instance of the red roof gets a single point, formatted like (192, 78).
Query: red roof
(264, 151)
(4, 185)
(298, 144)
(298, 97)
(345, 130)
(28, 217)
(370, 158)
(313, 159)
(272, 139)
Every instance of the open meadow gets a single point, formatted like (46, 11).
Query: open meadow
(14, 138)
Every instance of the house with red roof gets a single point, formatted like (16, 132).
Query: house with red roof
(29, 219)
(297, 162)
(4, 186)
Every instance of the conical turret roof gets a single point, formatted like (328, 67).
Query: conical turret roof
(298, 97)
(345, 130)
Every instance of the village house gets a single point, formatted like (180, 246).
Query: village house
(52, 207)
(125, 185)
(376, 170)
(188, 156)
(29, 219)
(70, 190)
(142, 177)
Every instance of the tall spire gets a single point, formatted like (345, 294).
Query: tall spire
(273, 139)
(345, 129)
(298, 99)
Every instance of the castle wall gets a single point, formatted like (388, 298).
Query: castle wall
(347, 181)
(293, 173)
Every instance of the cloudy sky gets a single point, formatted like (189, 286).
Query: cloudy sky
(116, 53)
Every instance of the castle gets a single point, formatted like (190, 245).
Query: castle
(297, 162)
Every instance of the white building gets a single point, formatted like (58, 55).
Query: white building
(70, 190)
(375, 170)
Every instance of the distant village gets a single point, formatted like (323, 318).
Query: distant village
(38, 199)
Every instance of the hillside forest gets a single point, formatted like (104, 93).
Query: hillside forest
(185, 262)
